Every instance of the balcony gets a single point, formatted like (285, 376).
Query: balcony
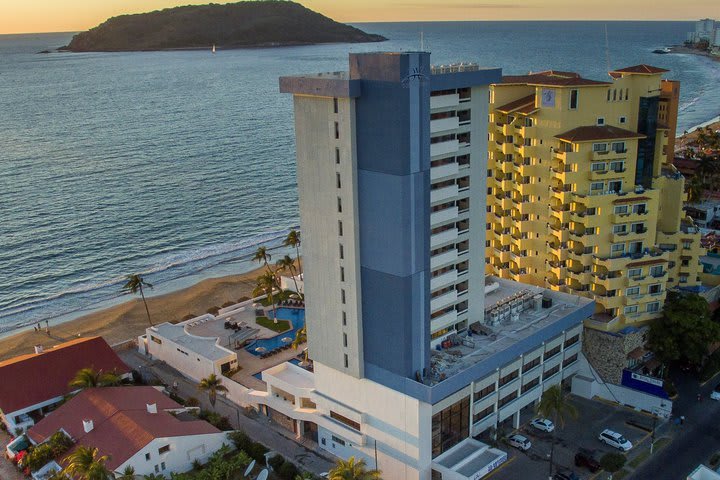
(446, 279)
(444, 171)
(444, 194)
(444, 148)
(564, 196)
(444, 101)
(444, 124)
(608, 155)
(630, 217)
(528, 131)
(443, 321)
(444, 300)
(503, 255)
(443, 216)
(444, 258)
(629, 236)
(615, 282)
(443, 237)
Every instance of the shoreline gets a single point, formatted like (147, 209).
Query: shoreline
(127, 320)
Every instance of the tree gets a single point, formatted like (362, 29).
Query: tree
(266, 283)
(88, 378)
(127, 474)
(293, 240)
(695, 190)
(135, 283)
(612, 462)
(685, 330)
(86, 464)
(153, 476)
(287, 264)
(262, 256)
(353, 470)
(555, 405)
(212, 385)
(300, 338)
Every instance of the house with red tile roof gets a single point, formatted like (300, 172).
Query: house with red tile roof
(134, 426)
(34, 384)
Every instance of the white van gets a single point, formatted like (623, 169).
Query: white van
(614, 439)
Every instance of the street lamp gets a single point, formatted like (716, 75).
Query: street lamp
(652, 437)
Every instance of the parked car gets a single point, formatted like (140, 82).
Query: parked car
(519, 442)
(614, 439)
(715, 395)
(543, 424)
(586, 458)
(566, 475)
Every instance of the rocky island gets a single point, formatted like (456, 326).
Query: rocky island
(235, 25)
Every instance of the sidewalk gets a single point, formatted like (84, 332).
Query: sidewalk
(303, 452)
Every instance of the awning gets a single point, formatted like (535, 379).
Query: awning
(468, 460)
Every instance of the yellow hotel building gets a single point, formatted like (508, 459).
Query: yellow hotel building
(582, 193)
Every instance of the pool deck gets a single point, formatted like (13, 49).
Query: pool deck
(252, 364)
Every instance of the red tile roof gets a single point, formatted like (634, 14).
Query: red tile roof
(517, 104)
(641, 69)
(595, 132)
(30, 379)
(553, 78)
(122, 426)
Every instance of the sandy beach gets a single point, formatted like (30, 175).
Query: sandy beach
(128, 320)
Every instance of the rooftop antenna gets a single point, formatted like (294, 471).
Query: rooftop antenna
(422, 40)
(607, 49)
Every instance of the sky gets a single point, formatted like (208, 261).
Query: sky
(29, 16)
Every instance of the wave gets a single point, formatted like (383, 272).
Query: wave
(178, 264)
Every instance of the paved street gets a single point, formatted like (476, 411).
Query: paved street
(259, 428)
(695, 441)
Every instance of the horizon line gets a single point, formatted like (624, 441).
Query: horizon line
(420, 21)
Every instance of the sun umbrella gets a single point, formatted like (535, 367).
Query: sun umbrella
(286, 339)
(261, 349)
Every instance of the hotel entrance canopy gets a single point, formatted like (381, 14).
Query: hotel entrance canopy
(468, 460)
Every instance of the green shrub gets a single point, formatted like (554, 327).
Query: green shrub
(287, 471)
(242, 441)
(279, 327)
(276, 462)
(40, 455)
(192, 402)
(612, 462)
(213, 310)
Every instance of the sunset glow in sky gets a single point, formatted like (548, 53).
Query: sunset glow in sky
(26, 16)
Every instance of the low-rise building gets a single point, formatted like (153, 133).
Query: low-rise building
(704, 473)
(136, 427)
(33, 385)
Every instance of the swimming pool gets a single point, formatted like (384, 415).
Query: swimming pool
(296, 316)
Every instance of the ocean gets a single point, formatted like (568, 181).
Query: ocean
(178, 164)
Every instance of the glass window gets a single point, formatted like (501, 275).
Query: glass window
(573, 99)
(599, 147)
(632, 291)
(450, 426)
(653, 307)
(621, 209)
(598, 166)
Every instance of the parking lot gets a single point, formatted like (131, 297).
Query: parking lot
(593, 418)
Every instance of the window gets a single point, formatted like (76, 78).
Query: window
(530, 385)
(617, 167)
(619, 228)
(617, 248)
(340, 228)
(569, 360)
(598, 167)
(484, 392)
(551, 353)
(342, 295)
(162, 465)
(337, 156)
(597, 186)
(345, 359)
(571, 341)
(615, 186)
(345, 421)
(164, 449)
(147, 456)
(655, 289)
(337, 130)
(599, 147)
(337, 180)
(615, 94)
(531, 364)
(618, 147)
(608, 95)
(508, 398)
(631, 309)
(508, 378)
(653, 307)
(573, 99)
(601, 121)
(337, 440)
(156, 340)
(335, 105)
(157, 468)
(551, 372)
(634, 272)
(657, 271)
(638, 208)
(638, 228)
(342, 274)
(632, 291)
(623, 119)
(344, 319)
(621, 210)
(345, 340)
(342, 252)
(686, 244)
(483, 413)
(450, 426)
(339, 203)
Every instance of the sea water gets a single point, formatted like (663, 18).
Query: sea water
(178, 164)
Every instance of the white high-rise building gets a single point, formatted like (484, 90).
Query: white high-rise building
(415, 351)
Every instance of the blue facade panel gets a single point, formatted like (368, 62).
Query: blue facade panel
(643, 383)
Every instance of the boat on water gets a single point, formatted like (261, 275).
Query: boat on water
(662, 51)
(213, 49)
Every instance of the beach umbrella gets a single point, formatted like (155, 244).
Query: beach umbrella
(286, 339)
(261, 349)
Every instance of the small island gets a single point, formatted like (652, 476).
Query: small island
(236, 25)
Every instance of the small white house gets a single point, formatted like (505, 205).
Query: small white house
(137, 427)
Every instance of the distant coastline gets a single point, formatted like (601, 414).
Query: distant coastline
(682, 49)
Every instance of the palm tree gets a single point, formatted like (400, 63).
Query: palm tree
(353, 470)
(127, 474)
(695, 190)
(266, 283)
(86, 464)
(300, 338)
(88, 378)
(262, 256)
(555, 405)
(287, 264)
(212, 385)
(136, 283)
(153, 476)
(293, 240)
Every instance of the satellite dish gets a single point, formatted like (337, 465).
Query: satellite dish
(249, 468)
(263, 475)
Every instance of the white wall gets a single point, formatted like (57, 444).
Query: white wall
(183, 451)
